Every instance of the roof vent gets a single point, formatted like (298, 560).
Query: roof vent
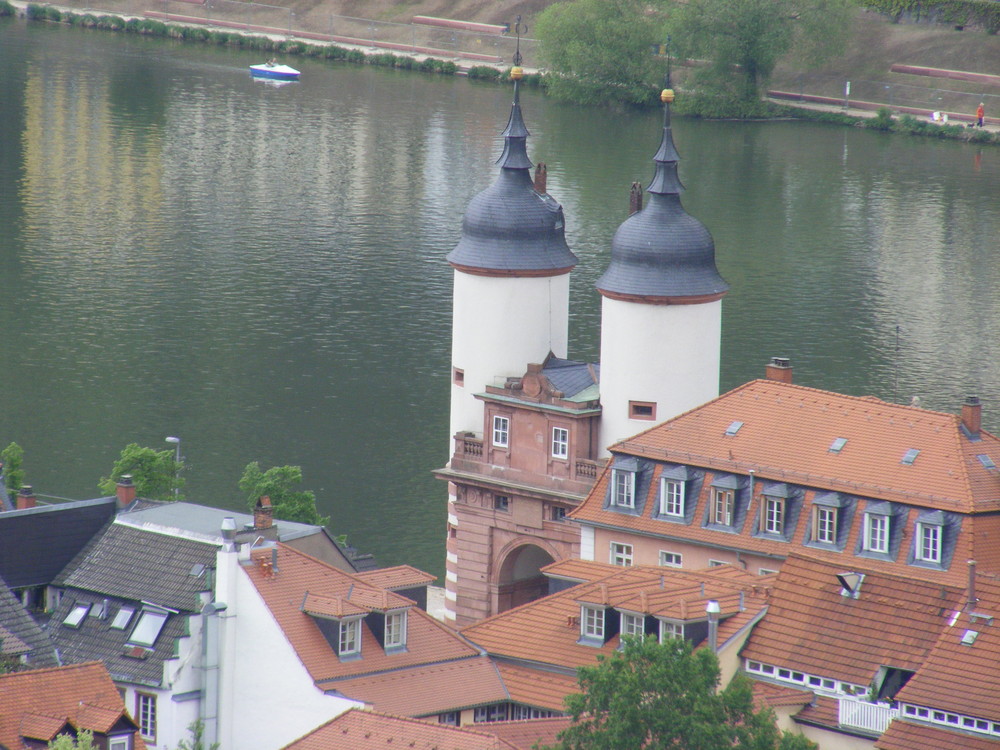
(229, 528)
(733, 428)
(850, 584)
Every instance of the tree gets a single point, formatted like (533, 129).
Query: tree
(656, 696)
(12, 457)
(84, 741)
(743, 40)
(277, 483)
(601, 50)
(155, 474)
(197, 741)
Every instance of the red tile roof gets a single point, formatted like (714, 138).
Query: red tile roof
(299, 578)
(430, 689)
(769, 694)
(959, 677)
(397, 577)
(369, 730)
(812, 628)
(546, 630)
(786, 436)
(536, 687)
(902, 735)
(40, 702)
(525, 734)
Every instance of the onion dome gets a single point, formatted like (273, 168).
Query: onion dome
(661, 254)
(511, 228)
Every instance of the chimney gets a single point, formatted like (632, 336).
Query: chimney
(635, 198)
(125, 491)
(972, 599)
(972, 415)
(263, 513)
(541, 177)
(780, 369)
(25, 498)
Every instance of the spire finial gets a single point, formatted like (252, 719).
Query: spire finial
(514, 155)
(518, 28)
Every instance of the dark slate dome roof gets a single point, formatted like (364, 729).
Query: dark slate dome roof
(509, 227)
(662, 251)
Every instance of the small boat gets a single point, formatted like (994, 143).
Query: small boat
(274, 71)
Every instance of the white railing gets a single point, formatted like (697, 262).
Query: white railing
(868, 717)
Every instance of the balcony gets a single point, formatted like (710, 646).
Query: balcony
(871, 718)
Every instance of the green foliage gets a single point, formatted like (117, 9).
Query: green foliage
(743, 39)
(13, 457)
(6, 9)
(155, 474)
(43, 13)
(484, 73)
(197, 740)
(657, 696)
(982, 13)
(881, 121)
(711, 104)
(84, 741)
(277, 483)
(600, 51)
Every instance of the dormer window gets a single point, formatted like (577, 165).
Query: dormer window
(773, 515)
(928, 542)
(395, 630)
(825, 524)
(876, 533)
(350, 638)
(722, 506)
(670, 630)
(671, 498)
(632, 624)
(623, 488)
(501, 432)
(592, 623)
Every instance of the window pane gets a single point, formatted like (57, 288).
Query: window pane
(774, 515)
(624, 488)
(826, 525)
(560, 442)
(148, 628)
(671, 497)
(501, 431)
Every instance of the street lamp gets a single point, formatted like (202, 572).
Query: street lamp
(176, 442)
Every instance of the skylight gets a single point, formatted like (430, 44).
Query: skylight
(76, 615)
(837, 445)
(148, 628)
(986, 461)
(733, 428)
(910, 456)
(969, 637)
(122, 618)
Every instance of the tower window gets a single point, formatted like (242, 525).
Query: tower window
(458, 376)
(560, 442)
(642, 410)
(501, 431)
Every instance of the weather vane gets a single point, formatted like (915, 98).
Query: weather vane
(518, 29)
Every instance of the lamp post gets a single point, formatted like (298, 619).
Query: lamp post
(176, 442)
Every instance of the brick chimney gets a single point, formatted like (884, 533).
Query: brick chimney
(972, 415)
(125, 491)
(263, 513)
(635, 198)
(780, 369)
(26, 498)
(541, 177)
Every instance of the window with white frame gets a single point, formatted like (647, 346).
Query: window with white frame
(671, 559)
(722, 506)
(671, 498)
(501, 431)
(395, 629)
(773, 520)
(145, 715)
(560, 442)
(496, 712)
(632, 624)
(621, 554)
(450, 718)
(928, 542)
(670, 630)
(623, 488)
(350, 637)
(876, 533)
(824, 524)
(592, 622)
(121, 742)
(147, 627)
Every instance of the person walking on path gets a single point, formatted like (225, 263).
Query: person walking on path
(980, 114)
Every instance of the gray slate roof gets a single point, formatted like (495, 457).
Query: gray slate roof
(15, 621)
(140, 565)
(569, 376)
(39, 542)
(661, 251)
(509, 227)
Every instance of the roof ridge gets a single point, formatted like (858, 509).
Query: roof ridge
(46, 670)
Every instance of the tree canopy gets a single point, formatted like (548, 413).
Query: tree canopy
(278, 483)
(155, 474)
(13, 457)
(657, 696)
(743, 40)
(83, 741)
(600, 50)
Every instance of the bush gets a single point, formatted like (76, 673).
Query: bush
(483, 73)
(881, 121)
(384, 59)
(6, 9)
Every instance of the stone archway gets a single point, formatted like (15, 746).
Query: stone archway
(519, 580)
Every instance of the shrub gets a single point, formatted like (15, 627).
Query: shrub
(384, 59)
(881, 121)
(483, 73)
(355, 56)
(6, 9)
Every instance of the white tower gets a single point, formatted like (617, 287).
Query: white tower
(511, 284)
(661, 312)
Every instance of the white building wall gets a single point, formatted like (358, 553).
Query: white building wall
(668, 355)
(499, 326)
(266, 696)
(586, 542)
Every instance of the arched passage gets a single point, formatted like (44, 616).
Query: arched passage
(520, 581)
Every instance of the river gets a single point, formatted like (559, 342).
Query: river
(260, 270)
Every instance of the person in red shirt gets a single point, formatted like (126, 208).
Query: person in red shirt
(980, 114)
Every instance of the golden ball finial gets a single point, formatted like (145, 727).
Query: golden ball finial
(517, 73)
(667, 96)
